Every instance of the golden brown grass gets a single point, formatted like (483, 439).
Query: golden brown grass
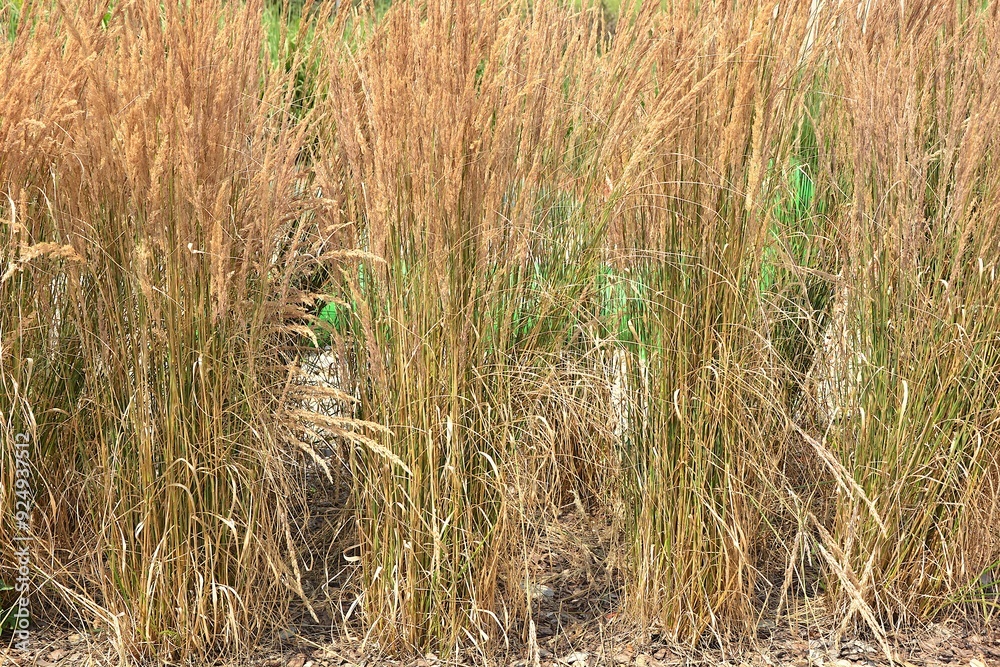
(724, 277)
(914, 158)
(153, 246)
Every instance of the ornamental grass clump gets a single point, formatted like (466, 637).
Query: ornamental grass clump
(158, 231)
(451, 145)
(913, 133)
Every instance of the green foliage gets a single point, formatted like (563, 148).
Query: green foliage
(7, 622)
(10, 14)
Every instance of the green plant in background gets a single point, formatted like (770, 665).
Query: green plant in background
(281, 26)
(624, 301)
(798, 259)
(7, 621)
(336, 317)
(10, 14)
(289, 38)
(792, 212)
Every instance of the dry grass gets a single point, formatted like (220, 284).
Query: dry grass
(154, 245)
(917, 181)
(723, 277)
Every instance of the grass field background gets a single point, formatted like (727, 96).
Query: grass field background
(720, 275)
